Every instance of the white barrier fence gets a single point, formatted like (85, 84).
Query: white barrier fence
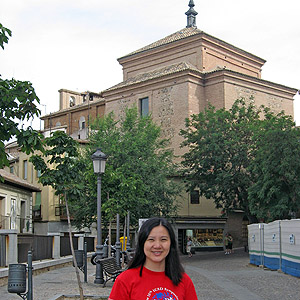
(276, 245)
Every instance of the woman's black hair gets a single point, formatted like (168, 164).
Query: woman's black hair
(173, 267)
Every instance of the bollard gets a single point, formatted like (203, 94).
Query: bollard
(105, 251)
(79, 258)
(16, 278)
(118, 244)
(30, 282)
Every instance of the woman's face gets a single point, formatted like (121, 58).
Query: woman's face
(156, 248)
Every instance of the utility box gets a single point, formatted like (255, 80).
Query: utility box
(122, 242)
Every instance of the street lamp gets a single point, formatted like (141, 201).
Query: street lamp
(99, 160)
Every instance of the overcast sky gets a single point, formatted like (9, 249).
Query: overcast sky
(74, 44)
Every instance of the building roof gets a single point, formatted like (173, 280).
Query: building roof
(14, 180)
(184, 66)
(175, 68)
(183, 34)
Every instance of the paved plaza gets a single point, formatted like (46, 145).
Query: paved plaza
(216, 277)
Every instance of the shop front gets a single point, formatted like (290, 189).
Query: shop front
(206, 234)
(205, 239)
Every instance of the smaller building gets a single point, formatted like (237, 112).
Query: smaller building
(16, 202)
(76, 112)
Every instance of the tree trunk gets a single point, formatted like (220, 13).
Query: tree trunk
(252, 219)
(124, 244)
(73, 252)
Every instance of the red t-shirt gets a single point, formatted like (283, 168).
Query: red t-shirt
(151, 286)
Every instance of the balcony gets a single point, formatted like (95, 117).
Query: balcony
(61, 211)
(37, 214)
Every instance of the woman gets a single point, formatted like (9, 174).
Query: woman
(226, 244)
(230, 243)
(155, 271)
(189, 247)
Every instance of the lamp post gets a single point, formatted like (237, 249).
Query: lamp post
(99, 160)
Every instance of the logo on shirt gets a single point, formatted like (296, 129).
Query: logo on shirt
(161, 294)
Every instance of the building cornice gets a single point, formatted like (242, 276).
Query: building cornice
(265, 83)
(77, 107)
(14, 180)
(183, 67)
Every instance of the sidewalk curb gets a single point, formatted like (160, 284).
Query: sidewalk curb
(41, 266)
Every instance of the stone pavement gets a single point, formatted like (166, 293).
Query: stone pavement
(216, 277)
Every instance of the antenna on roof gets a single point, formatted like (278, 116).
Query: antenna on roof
(191, 15)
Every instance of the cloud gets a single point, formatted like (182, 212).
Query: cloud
(74, 44)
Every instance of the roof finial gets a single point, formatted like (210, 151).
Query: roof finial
(191, 15)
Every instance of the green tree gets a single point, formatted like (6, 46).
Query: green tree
(5, 33)
(244, 158)
(219, 154)
(275, 192)
(18, 103)
(138, 170)
(61, 169)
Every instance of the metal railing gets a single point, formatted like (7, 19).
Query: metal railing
(22, 223)
(4, 222)
(41, 247)
(61, 211)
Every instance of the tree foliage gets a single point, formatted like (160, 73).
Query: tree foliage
(137, 172)
(275, 192)
(18, 103)
(5, 33)
(244, 158)
(59, 165)
(218, 154)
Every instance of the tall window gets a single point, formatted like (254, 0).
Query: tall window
(25, 169)
(144, 106)
(36, 209)
(38, 198)
(2, 211)
(13, 213)
(195, 197)
(81, 123)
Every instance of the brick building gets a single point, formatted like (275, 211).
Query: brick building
(172, 79)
